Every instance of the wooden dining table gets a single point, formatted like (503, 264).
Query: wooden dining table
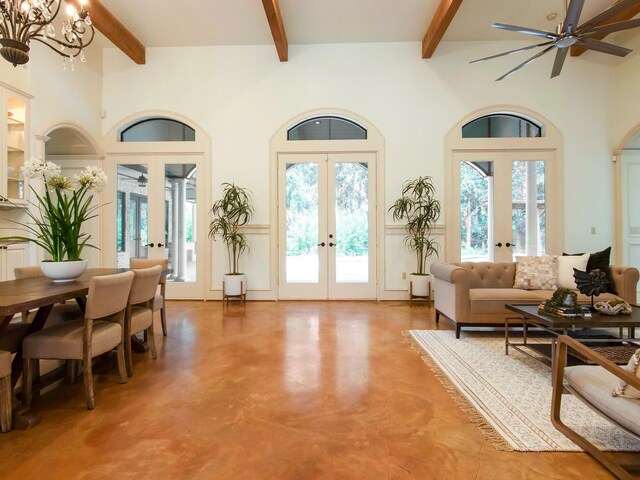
(17, 296)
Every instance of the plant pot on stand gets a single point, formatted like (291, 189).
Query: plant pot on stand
(420, 287)
(234, 285)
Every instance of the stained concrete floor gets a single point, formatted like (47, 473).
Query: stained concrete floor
(273, 390)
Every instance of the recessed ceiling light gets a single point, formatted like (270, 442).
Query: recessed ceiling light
(552, 16)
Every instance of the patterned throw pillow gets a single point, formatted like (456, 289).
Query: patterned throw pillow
(536, 273)
(622, 389)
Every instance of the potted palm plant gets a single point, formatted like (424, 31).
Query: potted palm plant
(57, 216)
(419, 209)
(231, 212)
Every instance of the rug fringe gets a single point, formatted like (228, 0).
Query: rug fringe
(492, 436)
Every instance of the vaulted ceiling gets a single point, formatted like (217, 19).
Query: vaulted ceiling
(134, 25)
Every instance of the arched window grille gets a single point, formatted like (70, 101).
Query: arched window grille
(500, 125)
(158, 130)
(327, 128)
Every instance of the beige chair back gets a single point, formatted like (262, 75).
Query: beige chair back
(139, 263)
(27, 272)
(145, 284)
(108, 294)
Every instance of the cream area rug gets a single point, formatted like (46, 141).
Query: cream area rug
(509, 397)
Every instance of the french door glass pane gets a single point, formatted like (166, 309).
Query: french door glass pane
(528, 208)
(476, 211)
(179, 200)
(302, 184)
(352, 223)
(133, 209)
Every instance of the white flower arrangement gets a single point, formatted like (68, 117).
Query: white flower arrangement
(58, 215)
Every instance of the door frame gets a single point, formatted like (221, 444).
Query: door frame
(145, 151)
(374, 143)
(551, 141)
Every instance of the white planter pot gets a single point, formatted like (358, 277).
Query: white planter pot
(63, 271)
(420, 285)
(234, 284)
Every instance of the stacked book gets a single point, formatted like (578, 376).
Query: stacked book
(564, 311)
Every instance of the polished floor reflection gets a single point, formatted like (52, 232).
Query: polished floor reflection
(273, 390)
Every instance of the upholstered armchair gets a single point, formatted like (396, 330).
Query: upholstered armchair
(593, 385)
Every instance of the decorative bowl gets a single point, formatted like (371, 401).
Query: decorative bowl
(613, 307)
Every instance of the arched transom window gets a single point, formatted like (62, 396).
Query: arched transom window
(327, 128)
(158, 130)
(499, 125)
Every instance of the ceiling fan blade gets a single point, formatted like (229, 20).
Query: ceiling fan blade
(604, 47)
(512, 51)
(570, 23)
(525, 30)
(616, 27)
(523, 64)
(607, 14)
(559, 61)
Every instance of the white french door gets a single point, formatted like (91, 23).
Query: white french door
(506, 205)
(628, 179)
(161, 213)
(327, 226)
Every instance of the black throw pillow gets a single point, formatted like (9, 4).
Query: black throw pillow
(600, 261)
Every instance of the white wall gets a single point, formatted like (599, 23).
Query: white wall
(241, 95)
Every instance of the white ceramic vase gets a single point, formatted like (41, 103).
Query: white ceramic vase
(235, 284)
(63, 271)
(420, 285)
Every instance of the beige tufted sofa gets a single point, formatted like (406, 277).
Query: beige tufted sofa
(474, 294)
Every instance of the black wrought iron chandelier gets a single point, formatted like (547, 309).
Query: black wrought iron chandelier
(25, 20)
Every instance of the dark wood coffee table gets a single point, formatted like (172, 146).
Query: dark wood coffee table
(528, 316)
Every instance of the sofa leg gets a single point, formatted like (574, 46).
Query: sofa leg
(458, 330)
(437, 317)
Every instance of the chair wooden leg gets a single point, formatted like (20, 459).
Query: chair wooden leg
(122, 366)
(163, 319)
(152, 341)
(87, 374)
(6, 419)
(128, 356)
(27, 380)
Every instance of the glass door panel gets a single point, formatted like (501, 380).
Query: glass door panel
(528, 207)
(132, 216)
(476, 211)
(180, 221)
(302, 234)
(16, 119)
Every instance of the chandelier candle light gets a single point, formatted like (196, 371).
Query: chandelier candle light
(22, 21)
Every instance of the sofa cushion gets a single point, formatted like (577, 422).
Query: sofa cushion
(594, 384)
(536, 273)
(566, 264)
(490, 300)
(600, 261)
(622, 389)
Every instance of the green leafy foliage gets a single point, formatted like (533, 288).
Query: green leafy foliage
(420, 210)
(231, 212)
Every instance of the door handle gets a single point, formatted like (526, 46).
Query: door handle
(331, 244)
(509, 244)
(321, 244)
(499, 244)
(160, 245)
(150, 245)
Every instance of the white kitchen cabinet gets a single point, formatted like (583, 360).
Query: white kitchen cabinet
(12, 256)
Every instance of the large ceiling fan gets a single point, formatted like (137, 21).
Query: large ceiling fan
(570, 33)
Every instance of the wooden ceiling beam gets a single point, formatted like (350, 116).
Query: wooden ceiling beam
(439, 24)
(272, 10)
(105, 22)
(627, 14)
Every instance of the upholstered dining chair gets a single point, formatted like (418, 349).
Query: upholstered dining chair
(100, 331)
(139, 316)
(593, 385)
(61, 311)
(159, 300)
(5, 392)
